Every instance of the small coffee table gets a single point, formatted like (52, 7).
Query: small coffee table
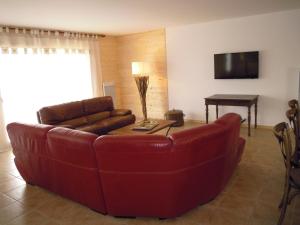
(127, 130)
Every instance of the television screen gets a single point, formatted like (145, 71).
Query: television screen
(240, 65)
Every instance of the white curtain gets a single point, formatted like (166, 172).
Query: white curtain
(3, 139)
(48, 41)
(45, 48)
(96, 71)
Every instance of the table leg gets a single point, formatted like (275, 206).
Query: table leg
(298, 157)
(249, 120)
(206, 113)
(168, 130)
(255, 118)
(217, 111)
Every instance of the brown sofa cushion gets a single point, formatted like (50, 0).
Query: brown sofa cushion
(48, 115)
(95, 105)
(120, 112)
(59, 113)
(106, 125)
(98, 116)
(75, 122)
(116, 122)
(96, 128)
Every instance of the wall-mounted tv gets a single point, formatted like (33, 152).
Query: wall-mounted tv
(239, 65)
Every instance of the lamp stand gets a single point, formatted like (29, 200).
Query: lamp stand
(142, 84)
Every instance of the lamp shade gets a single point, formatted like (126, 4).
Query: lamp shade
(137, 68)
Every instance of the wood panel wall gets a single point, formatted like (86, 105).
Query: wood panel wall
(109, 64)
(117, 53)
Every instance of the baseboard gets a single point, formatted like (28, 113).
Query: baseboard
(5, 148)
(193, 121)
(261, 127)
(243, 124)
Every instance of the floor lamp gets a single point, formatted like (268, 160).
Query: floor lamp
(142, 81)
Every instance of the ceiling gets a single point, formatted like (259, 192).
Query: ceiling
(129, 16)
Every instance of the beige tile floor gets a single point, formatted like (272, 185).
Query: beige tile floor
(250, 198)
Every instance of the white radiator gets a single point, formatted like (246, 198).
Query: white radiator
(109, 90)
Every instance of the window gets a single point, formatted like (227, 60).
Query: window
(30, 80)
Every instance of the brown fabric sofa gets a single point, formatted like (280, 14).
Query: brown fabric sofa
(95, 115)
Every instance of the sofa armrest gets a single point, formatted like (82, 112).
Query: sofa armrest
(120, 112)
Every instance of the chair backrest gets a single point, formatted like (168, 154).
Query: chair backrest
(292, 115)
(283, 133)
(293, 104)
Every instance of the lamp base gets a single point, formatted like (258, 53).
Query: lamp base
(142, 84)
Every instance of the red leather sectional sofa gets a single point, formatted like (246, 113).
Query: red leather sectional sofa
(136, 175)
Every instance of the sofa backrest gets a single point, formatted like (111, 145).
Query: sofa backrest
(208, 142)
(132, 170)
(62, 112)
(187, 168)
(28, 143)
(128, 152)
(234, 146)
(99, 104)
(59, 159)
(73, 168)
(76, 113)
(208, 154)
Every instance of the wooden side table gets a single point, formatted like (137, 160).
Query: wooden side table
(234, 100)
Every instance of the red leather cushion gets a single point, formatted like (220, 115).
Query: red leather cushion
(130, 169)
(72, 146)
(199, 144)
(199, 156)
(146, 151)
(73, 167)
(234, 145)
(28, 143)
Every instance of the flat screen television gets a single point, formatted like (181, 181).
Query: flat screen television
(239, 65)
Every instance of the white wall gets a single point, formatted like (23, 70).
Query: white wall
(190, 53)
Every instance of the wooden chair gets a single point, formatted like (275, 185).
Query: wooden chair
(292, 177)
(293, 104)
(292, 115)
